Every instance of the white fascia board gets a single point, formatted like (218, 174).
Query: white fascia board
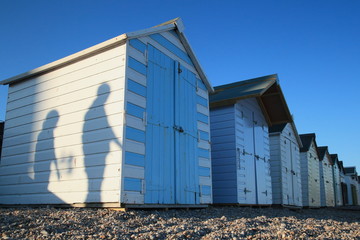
(149, 31)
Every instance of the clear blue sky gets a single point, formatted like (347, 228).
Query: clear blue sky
(314, 46)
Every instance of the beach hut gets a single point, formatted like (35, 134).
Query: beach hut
(344, 189)
(122, 123)
(310, 173)
(327, 198)
(285, 145)
(337, 181)
(352, 185)
(240, 114)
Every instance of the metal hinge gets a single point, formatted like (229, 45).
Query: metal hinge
(246, 191)
(246, 153)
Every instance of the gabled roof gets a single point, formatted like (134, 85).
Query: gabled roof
(175, 24)
(341, 166)
(350, 171)
(280, 127)
(265, 89)
(334, 159)
(306, 140)
(324, 150)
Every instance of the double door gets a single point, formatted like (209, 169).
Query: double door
(291, 180)
(258, 183)
(171, 167)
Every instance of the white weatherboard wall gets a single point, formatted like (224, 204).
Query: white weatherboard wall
(84, 133)
(54, 123)
(328, 181)
(240, 154)
(310, 177)
(285, 167)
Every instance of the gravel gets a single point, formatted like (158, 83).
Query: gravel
(210, 223)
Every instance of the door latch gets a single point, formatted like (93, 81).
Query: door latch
(266, 192)
(178, 128)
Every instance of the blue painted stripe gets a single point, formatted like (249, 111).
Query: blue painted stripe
(201, 84)
(202, 118)
(203, 153)
(137, 66)
(205, 172)
(171, 47)
(204, 135)
(135, 110)
(137, 44)
(136, 88)
(202, 101)
(135, 134)
(134, 159)
(132, 184)
(205, 190)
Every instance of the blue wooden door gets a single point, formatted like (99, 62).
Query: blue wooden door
(171, 132)
(159, 162)
(186, 139)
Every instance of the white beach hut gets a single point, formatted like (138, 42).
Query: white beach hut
(337, 181)
(285, 145)
(310, 173)
(122, 123)
(326, 178)
(240, 115)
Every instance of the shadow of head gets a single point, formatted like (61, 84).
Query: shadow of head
(103, 92)
(51, 119)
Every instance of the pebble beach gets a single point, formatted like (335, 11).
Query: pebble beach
(209, 223)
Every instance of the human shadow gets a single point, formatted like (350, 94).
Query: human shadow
(45, 156)
(97, 136)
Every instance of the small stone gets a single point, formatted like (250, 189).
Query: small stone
(44, 232)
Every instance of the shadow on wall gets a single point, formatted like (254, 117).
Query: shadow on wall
(45, 156)
(97, 130)
(97, 135)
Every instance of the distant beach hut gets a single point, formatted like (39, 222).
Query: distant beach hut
(240, 115)
(285, 144)
(310, 172)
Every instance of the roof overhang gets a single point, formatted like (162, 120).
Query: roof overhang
(175, 24)
(265, 89)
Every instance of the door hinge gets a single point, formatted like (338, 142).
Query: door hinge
(246, 153)
(246, 191)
